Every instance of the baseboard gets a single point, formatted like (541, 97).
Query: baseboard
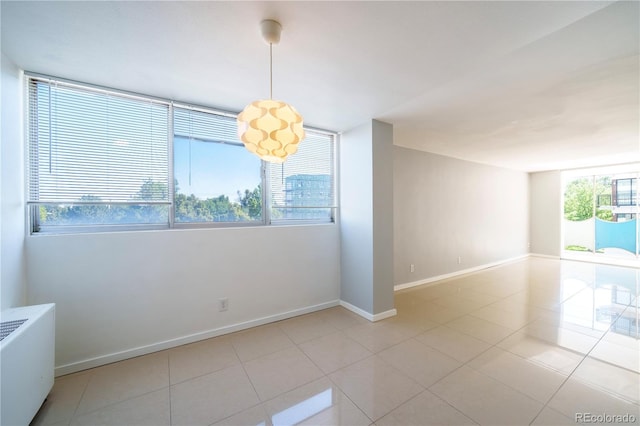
(367, 315)
(544, 256)
(168, 344)
(386, 314)
(458, 273)
(590, 258)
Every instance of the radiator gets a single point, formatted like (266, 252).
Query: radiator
(26, 361)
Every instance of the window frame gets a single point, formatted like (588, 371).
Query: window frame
(32, 207)
(196, 225)
(333, 208)
(631, 200)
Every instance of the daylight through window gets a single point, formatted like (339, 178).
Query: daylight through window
(105, 160)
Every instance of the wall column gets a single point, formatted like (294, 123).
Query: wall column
(366, 220)
(546, 213)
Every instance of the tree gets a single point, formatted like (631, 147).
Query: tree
(151, 191)
(188, 208)
(87, 213)
(579, 199)
(251, 202)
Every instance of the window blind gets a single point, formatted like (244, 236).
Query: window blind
(205, 126)
(302, 188)
(95, 146)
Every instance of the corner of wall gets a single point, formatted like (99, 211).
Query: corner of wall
(545, 211)
(12, 207)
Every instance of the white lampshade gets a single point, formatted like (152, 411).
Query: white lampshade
(270, 129)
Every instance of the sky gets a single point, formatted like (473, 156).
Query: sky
(214, 169)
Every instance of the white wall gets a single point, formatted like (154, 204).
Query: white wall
(383, 300)
(12, 212)
(546, 212)
(366, 219)
(136, 292)
(447, 208)
(356, 218)
(579, 233)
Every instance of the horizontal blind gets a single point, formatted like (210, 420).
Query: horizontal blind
(205, 126)
(306, 179)
(96, 146)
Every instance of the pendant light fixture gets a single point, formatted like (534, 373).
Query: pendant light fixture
(269, 128)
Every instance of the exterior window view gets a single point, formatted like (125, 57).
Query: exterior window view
(311, 192)
(302, 188)
(101, 160)
(600, 214)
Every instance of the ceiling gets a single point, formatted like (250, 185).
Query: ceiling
(524, 85)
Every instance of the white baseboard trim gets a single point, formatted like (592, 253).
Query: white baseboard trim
(431, 280)
(591, 258)
(367, 315)
(544, 256)
(386, 314)
(168, 344)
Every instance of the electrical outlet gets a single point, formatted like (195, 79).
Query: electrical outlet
(412, 268)
(223, 304)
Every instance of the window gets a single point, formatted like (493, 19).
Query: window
(216, 179)
(302, 188)
(625, 191)
(100, 159)
(96, 158)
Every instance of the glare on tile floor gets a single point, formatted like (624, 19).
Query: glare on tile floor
(539, 341)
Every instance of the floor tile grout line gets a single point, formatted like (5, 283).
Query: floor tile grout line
(245, 371)
(349, 398)
(260, 402)
(76, 415)
(297, 345)
(467, 364)
(324, 375)
(170, 396)
(84, 391)
(344, 366)
(373, 354)
(450, 405)
(425, 388)
(573, 371)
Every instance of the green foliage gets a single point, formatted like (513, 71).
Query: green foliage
(188, 208)
(576, 248)
(152, 191)
(579, 199)
(252, 202)
(604, 215)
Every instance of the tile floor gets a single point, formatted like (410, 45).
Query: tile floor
(535, 342)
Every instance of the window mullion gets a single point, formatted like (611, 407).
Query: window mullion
(170, 177)
(266, 194)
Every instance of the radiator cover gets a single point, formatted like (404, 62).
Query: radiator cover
(26, 361)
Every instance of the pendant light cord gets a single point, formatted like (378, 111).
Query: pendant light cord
(271, 71)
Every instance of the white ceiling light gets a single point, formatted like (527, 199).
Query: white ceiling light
(268, 128)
